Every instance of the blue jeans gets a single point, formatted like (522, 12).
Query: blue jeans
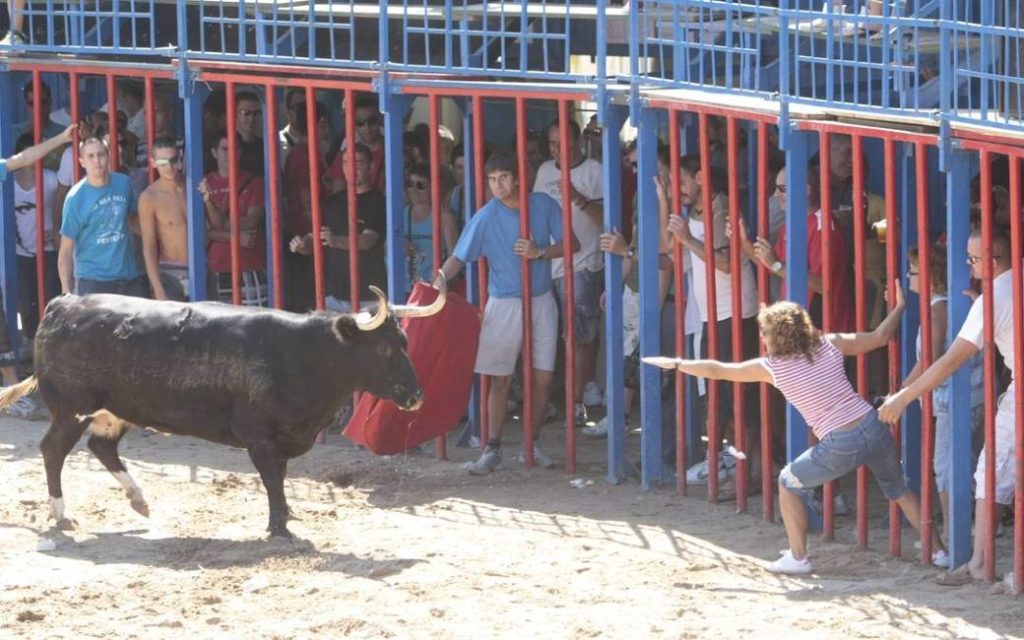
(840, 452)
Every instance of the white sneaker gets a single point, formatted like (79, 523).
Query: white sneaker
(599, 430)
(789, 565)
(24, 407)
(592, 395)
(698, 473)
(540, 458)
(940, 559)
(581, 415)
(489, 459)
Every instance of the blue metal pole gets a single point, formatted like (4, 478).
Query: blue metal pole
(906, 177)
(395, 106)
(8, 229)
(194, 94)
(958, 202)
(797, 156)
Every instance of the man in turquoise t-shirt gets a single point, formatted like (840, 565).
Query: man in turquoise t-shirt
(494, 233)
(96, 241)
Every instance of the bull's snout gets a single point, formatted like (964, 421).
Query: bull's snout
(413, 399)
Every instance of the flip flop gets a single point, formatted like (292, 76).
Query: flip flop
(952, 579)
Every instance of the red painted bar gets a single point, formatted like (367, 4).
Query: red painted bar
(350, 197)
(825, 176)
(480, 180)
(150, 125)
(1017, 251)
(764, 183)
(928, 412)
(115, 138)
(524, 231)
(233, 216)
(316, 215)
(712, 306)
(570, 288)
(680, 304)
(989, 359)
(76, 117)
(435, 216)
(739, 413)
(892, 270)
(274, 176)
(37, 124)
(860, 307)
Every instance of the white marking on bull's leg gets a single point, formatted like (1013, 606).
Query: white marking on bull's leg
(57, 513)
(134, 492)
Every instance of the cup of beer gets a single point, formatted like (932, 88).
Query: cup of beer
(880, 228)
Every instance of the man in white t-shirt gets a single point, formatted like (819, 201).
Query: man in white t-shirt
(969, 342)
(690, 233)
(586, 191)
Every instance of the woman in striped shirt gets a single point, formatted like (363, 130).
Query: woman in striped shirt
(807, 367)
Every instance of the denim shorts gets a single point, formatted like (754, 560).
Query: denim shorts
(840, 452)
(587, 298)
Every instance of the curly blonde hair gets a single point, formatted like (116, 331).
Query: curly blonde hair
(788, 331)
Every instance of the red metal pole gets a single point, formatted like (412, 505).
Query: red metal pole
(928, 412)
(313, 143)
(680, 304)
(37, 123)
(891, 270)
(765, 182)
(859, 230)
(739, 413)
(233, 217)
(480, 178)
(989, 356)
(275, 206)
(76, 117)
(436, 205)
(115, 138)
(1018, 358)
(825, 176)
(150, 126)
(570, 286)
(524, 231)
(351, 201)
(712, 305)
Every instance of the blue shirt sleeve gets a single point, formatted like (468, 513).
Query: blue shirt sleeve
(3, 169)
(71, 225)
(471, 242)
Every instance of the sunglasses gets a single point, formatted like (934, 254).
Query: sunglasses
(416, 184)
(366, 121)
(781, 188)
(163, 162)
(973, 259)
(249, 113)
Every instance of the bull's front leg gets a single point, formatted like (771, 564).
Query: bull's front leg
(264, 456)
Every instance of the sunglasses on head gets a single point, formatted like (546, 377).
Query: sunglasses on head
(416, 184)
(163, 162)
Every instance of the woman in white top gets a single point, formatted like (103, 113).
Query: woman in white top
(807, 367)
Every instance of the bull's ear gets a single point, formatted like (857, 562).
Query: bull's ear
(345, 328)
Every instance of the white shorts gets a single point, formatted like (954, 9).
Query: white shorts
(501, 335)
(1005, 462)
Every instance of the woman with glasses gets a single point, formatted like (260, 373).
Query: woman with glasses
(419, 238)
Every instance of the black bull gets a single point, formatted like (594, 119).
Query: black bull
(264, 380)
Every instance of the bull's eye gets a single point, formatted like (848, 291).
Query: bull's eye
(384, 351)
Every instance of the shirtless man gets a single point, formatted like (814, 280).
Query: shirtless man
(163, 219)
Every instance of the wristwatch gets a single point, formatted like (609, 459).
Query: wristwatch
(630, 253)
(776, 267)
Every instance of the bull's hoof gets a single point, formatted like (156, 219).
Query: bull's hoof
(67, 524)
(279, 531)
(141, 507)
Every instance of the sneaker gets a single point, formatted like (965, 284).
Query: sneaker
(840, 505)
(592, 395)
(599, 430)
(940, 559)
(24, 407)
(789, 565)
(489, 459)
(581, 415)
(12, 38)
(540, 458)
(698, 473)
(551, 412)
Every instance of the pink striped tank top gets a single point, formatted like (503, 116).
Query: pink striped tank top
(819, 388)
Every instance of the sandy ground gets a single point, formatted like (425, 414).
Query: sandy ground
(408, 547)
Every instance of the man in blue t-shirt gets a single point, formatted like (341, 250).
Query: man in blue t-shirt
(494, 233)
(96, 241)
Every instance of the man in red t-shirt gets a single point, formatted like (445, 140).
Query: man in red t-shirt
(252, 243)
(841, 311)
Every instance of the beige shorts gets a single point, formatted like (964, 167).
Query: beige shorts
(501, 335)
(1005, 463)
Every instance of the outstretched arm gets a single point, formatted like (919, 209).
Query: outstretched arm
(852, 344)
(40, 151)
(748, 371)
(958, 353)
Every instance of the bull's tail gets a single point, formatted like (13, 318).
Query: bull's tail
(9, 395)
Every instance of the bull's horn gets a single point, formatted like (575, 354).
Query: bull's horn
(413, 311)
(368, 322)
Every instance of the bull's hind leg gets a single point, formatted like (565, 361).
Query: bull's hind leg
(64, 432)
(107, 431)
